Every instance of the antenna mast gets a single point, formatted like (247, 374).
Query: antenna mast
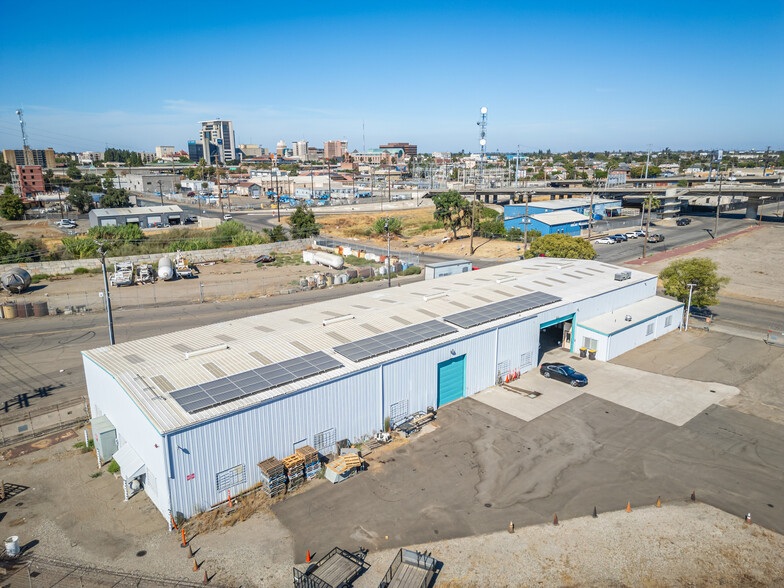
(482, 143)
(24, 133)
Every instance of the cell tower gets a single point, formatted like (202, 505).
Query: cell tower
(24, 133)
(482, 143)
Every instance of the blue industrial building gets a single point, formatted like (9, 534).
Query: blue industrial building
(189, 415)
(568, 215)
(565, 221)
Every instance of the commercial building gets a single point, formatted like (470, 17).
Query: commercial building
(249, 151)
(335, 149)
(43, 157)
(567, 215)
(196, 151)
(281, 149)
(149, 184)
(218, 134)
(90, 157)
(410, 150)
(162, 151)
(144, 216)
(191, 414)
(28, 181)
(300, 150)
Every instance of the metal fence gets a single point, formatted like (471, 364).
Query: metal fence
(35, 423)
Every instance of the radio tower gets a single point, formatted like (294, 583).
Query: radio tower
(482, 143)
(24, 133)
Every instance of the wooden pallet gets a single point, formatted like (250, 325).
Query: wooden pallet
(293, 462)
(344, 463)
(307, 453)
(272, 467)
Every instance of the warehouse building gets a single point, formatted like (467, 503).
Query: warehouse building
(189, 415)
(567, 215)
(144, 216)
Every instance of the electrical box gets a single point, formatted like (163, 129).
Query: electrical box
(624, 275)
(104, 437)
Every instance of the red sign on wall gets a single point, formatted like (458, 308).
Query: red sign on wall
(190, 477)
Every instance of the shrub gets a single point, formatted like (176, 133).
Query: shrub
(81, 270)
(412, 271)
(114, 467)
(39, 277)
(96, 474)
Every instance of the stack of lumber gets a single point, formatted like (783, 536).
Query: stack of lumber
(311, 458)
(295, 470)
(273, 477)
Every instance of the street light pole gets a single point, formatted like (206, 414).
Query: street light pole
(718, 203)
(389, 262)
(160, 191)
(102, 253)
(688, 307)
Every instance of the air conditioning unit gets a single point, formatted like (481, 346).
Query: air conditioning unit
(624, 275)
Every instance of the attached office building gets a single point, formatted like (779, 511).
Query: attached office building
(189, 415)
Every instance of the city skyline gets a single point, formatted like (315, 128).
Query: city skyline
(580, 77)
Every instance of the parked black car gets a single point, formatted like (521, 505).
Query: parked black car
(563, 372)
(620, 237)
(655, 238)
(681, 222)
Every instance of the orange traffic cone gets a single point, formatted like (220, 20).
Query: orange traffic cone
(307, 557)
(230, 499)
(629, 506)
(555, 519)
(658, 502)
(183, 538)
(206, 579)
(190, 552)
(195, 565)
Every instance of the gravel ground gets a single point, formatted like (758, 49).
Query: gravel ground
(676, 545)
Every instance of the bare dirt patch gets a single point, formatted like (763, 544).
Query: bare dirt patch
(32, 229)
(752, 261)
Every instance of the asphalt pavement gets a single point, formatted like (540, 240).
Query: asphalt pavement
(482, 468)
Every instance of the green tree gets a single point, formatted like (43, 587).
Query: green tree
(80, 247)
(515, 234)
(561, 245)
(639, 172)
(115, 198)
(452, 210)
(11, 207)
(492, 228)
(276, 234)
(699, 271)
(5, 173)
(303, 223)
(80, 199)
(395, 226)
(108, 179)
(73, 172)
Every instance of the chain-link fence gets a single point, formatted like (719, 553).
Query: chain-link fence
(25, 424)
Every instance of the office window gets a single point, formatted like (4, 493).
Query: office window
(589, 343)
(668, 321)
(650, 329)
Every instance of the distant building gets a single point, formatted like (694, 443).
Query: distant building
(281, 148)
(43, 157)
(249, 151)
(28, 181)
(143, 216)
(220, 135)
(617, 177)
(314, 154)
(410, 150)
(90, 157)
(300, 149)
(162, 151)
(335, 149)
(146, 183)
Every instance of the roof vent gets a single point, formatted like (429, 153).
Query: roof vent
(432, 296)
(337, 319)
(624, 275)
(204, 351)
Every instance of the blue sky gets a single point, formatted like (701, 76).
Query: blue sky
(567, 75)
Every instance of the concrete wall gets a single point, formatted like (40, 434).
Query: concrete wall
(246, 252)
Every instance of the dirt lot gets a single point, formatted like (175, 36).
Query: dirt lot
(752, 261)
(35, 229)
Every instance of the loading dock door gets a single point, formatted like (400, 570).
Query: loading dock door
(451, 380)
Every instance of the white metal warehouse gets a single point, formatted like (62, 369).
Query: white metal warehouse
(195, 411)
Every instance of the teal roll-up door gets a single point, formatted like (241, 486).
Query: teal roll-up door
(451, 380)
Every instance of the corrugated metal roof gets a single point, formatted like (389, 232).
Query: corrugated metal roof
(275, 336)
(559, 218)
(137, 210)
(639, 312)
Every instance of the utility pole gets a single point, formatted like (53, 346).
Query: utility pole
(517, 166)
(718, 203)
(473, 217)
(647, 226)
(217, 173)
(277, 191)
(688, 306)
(389, 262)
(525, 224)
(372, 181)
(160, 191)
(389, 185)
(590, 213)
(102, 253)
(329, 179)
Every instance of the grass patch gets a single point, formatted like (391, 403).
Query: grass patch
(114, 467)
(358, 261)
(81, 270)
(34, 279)
(96, 474)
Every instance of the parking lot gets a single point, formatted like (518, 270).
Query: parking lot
(483, 467)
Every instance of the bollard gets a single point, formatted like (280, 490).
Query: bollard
(595, 514)
(511, 527)
(629, 506)
(694, 496)
(183, 538)
(555, 519)
(658, 502)
(195, 565)
(748, 519)
(229, 498)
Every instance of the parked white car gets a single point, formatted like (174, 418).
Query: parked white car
(631, 234)
(227, 217)
(605, 241)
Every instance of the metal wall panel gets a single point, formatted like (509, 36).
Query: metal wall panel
(350, 405)
(108, 398)
(415, 378)
(516, 340)
(637, 335)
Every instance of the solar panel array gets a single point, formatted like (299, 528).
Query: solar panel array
(209, 394)
(394, 340)
(497, 310)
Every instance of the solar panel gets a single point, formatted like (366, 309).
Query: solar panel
(394, 340)
(209, 394)
(497, 310)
